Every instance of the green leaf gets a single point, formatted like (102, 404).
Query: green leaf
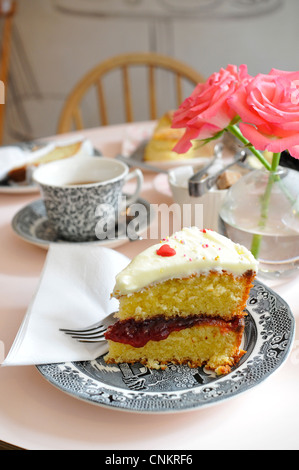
(210, 139)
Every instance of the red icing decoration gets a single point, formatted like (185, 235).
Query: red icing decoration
(166, 250)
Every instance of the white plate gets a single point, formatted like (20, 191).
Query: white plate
(18, 188)
(268, 339)
(32, 225)
(25, 188)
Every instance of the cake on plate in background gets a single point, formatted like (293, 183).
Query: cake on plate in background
(164, 138)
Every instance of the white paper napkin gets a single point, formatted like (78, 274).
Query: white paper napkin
(74, 292)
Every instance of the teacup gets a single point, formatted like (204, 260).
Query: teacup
(83, 193)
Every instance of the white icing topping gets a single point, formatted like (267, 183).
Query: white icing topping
(197, 252)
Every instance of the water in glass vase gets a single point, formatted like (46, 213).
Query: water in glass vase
(261, 213)
(272, 261)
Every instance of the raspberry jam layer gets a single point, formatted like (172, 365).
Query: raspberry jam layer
(138, 333)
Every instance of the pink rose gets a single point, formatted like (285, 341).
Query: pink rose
(206, 111)
(269, 109)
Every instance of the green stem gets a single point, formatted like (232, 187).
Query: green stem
(256, 245)
(234, 129)
(275, 161)
(257, 239)
(265, 201)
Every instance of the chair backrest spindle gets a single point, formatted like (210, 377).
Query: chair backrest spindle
(102, 103)
(179, 89)
(152, 92)
(127, 94)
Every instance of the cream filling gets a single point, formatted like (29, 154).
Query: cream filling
(196, 252)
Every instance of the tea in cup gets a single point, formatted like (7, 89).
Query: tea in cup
(83, 193)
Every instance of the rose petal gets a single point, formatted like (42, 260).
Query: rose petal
(239, 103)
(271, 143)
(294, 151)
(206, 111)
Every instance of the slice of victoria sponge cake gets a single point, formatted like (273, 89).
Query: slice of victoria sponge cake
(182, 301)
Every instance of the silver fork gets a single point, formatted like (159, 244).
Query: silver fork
(92, 334)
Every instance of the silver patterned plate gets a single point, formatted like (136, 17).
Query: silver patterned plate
(268, 338)
(32, 225)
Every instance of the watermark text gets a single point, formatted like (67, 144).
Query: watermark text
(130, 222)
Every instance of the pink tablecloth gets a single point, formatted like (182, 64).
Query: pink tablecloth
(35, 415)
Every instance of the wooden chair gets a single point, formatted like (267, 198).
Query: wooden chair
(71, 116)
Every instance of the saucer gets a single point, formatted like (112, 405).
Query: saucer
(32, 225)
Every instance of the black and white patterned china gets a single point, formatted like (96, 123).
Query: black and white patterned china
(268, 339)
(83, 194)
(31, 224)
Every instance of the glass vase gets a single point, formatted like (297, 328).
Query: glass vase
(261, 212)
